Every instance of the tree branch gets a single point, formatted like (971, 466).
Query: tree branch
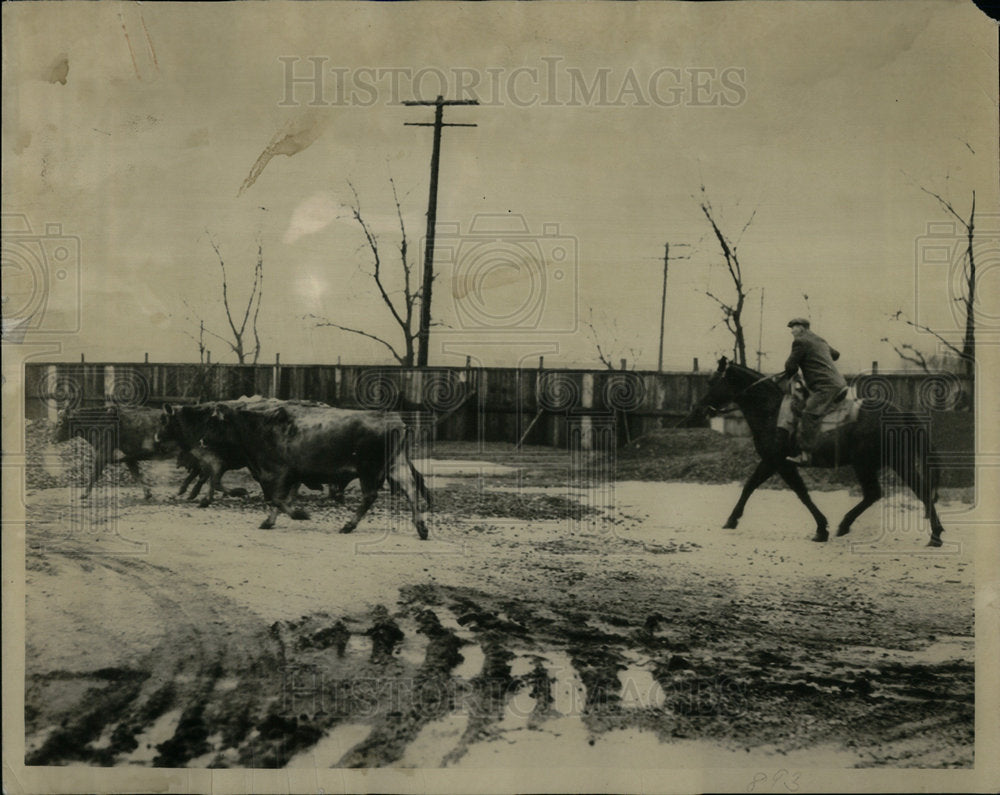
(331, 324)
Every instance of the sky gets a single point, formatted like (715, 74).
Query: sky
(136, 135)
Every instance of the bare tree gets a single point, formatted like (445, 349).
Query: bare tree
(910, 353)
(607, 353)
(732, 312)
(240, 342)
(968, 298)
(402, 310)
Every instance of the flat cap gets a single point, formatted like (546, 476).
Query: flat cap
(798, 321)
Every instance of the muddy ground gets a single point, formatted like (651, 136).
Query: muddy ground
(549, 620)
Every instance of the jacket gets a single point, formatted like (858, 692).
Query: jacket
(814, 357)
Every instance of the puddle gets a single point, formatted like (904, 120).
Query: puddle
(944, 649)
(360, 645)
(434, 742)
(413, 649)
(206, 759)
(517, 711)
(472, 665)
(639, 689)
(104, 741)
(160, 731)
(32, 742)
(332, 747)
(569, 694)
(226, 684)
(523, 663)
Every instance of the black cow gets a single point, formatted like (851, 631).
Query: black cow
(129, 430)
(186, 426)
(292, 444)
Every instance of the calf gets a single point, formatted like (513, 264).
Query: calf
(186, 426)
(129, 430)
(293, 443)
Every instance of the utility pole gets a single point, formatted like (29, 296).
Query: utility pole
(760, 330)
(663, 301)
(423, 334)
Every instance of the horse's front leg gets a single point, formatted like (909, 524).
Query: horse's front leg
(763, 471)
(790, 474)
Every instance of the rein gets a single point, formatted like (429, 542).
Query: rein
(741, 393)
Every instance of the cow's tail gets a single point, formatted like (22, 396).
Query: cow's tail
(418, 478)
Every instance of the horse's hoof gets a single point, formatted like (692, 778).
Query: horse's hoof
(843, 531)
(266, 525)
(346, 529)
(299, 513)
(934, 542)
(422, 531)
(821, 535)
(730, 525)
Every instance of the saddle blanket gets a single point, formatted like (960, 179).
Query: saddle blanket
(843, 412)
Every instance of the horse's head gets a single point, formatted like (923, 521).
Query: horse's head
(720, 394)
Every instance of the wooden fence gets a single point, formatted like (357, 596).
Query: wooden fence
(540, 406)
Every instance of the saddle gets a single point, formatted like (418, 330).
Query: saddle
(843, 409)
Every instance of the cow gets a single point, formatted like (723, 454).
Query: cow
(127, 429)
(291, 444)
(186, 426)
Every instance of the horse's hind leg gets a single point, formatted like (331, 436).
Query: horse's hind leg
(790, 474)
(871, 492)
(763, 471)
(924, 486)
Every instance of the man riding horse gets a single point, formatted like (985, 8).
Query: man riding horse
(814, 356)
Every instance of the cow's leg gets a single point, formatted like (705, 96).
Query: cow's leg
(210, 473)
(267, 486)
(202, 480)
(133, 468)
(790, 474)
(283, 492)
(101, 460)
(369, 492)
(871, 492)
(403, 476)
(763, 471)
(337, 492)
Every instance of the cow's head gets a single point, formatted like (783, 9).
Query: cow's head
(167, 428)
(60, 431)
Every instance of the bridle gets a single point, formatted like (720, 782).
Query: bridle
(738, 395)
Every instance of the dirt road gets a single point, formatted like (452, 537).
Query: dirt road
(525, 632)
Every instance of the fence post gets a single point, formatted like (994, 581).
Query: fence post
(695, 366)
(208, 357)
(623, 364)
(874, 368)
(109, 383)
(275, 375)
(146, 359)
(52, 407)
(81, 358)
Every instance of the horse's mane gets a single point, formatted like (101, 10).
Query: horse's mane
(753, 375)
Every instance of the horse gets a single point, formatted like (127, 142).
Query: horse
(867, 445)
